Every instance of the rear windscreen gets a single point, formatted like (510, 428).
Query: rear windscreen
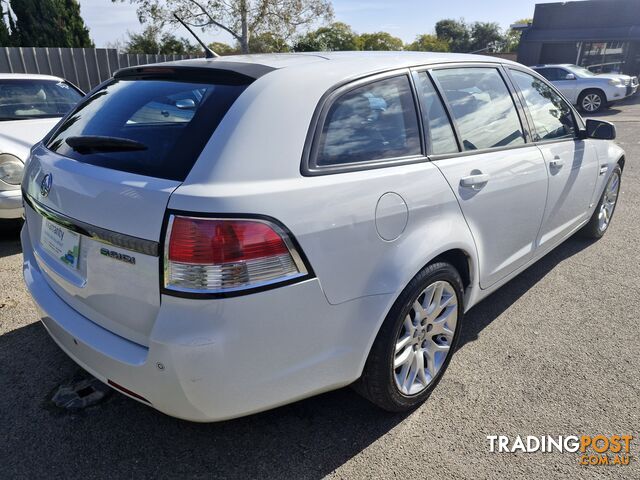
(152, 127)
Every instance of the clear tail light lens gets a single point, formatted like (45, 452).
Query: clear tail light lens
(218, 255)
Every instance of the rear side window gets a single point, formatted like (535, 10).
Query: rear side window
(152, 127)
(552, 117)
(482, 107)
(376, 121)
(23, 99)
(553, 74)
(441, 138)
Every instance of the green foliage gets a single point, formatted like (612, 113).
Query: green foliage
(152, 41)
(485, 35)
(456, 33)
(337, 36)
(49, 23)
(242, 19)
(223, 48)
(428, 43)
(268, 43)
(512, 37)
(379, 41)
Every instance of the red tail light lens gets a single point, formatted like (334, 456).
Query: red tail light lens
(218, 255)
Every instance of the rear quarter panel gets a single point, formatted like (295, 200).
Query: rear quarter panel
(333, 217)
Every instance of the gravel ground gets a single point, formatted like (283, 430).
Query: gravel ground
(556, 351)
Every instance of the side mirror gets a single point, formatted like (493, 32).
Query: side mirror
(600, 130)
(570, 76)
(186, 104)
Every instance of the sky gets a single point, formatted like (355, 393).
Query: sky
(109, 22)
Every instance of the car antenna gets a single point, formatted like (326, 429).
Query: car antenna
(208, 53)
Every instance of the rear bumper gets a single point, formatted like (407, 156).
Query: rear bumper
(211, 360)
(10, 204)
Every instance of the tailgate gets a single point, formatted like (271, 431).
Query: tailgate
(117, 218)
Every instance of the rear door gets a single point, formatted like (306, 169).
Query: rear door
(572, 162)
(500, 181)
(97, 189)
(568, 88)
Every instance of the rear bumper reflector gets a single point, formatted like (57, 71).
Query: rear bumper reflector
(127, 391)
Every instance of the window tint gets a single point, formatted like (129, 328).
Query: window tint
(482, 106)
(553, 74)
(372, 122)
(167, 121)
(552, 117)
(23, 99)
(441, 138)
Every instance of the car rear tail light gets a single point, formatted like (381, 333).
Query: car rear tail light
(219, 255)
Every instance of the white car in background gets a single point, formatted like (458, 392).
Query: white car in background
(30, 106)
(589, 91)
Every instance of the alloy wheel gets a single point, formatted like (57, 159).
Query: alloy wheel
(591, 102)
(609, 199)
(425, 338)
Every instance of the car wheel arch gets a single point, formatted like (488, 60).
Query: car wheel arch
(460, 257)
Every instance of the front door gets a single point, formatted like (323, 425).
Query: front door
(572, 163)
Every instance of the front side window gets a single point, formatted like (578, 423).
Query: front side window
(552, 117)
(441, 138)
(153, 127)
(552, 74)
(482, 107)
(376, 121)
(25, 99)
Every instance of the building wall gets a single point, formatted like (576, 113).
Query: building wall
(561, 31)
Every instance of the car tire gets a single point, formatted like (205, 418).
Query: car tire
(380, 382)
(592, 101)
(602, 215)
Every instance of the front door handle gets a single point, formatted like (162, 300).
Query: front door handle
(557, 162)
(475, 181)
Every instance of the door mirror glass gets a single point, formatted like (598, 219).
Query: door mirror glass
(600, 130)
(570, 76)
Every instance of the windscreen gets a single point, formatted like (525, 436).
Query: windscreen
(147, 126)
(23, 99)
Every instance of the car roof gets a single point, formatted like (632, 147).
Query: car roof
(28, 76)
(349, 63)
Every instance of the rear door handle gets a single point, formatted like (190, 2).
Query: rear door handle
(557, 162)
(475, 181)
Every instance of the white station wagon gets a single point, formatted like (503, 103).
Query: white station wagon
(219, 237)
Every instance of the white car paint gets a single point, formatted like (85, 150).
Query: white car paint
(16, 138)
(219, 358)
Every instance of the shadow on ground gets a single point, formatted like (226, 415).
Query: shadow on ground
(10, 237)
(120, 437)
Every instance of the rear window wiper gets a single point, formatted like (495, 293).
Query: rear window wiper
(95, 143)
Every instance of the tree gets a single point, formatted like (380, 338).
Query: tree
(380, 41)
(512, 36)
(456, 33)
(428, 43)
(152, 40)
(335, 37)
(49, 23)
(242, 19)
(485, 35)
(268, 43)
(223, 49)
